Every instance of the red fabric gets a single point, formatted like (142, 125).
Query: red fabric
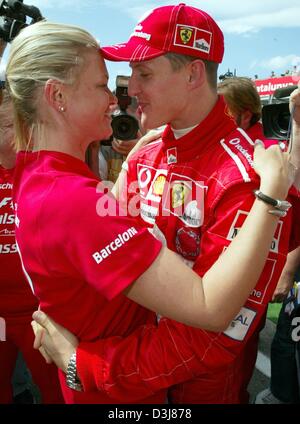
(17, 304)
(77, 262)
(212, 170)
(16, 298)
(178, 29)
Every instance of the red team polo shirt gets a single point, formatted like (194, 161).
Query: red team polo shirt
(77, 262)
(16, 299)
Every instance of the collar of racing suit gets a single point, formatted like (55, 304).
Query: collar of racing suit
(217, 125)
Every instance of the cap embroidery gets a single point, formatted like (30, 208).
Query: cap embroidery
(193, 38)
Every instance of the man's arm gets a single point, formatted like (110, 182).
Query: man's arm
(131, 368)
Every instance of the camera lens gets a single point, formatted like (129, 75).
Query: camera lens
(276, 119)
(284, 120)
(125, 127)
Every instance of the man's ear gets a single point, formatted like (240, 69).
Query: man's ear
(196, 73)
(55, 95)
(246, 117)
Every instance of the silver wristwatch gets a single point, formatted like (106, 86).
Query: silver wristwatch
(72, 379)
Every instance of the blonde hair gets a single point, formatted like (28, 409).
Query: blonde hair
(40, 52)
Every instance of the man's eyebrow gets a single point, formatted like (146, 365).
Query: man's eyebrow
(137, 65)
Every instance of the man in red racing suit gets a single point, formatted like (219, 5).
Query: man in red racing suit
(196, 191)
(195, 188)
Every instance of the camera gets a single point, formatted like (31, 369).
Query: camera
(13, 17)
(276, 116)
(125, 126)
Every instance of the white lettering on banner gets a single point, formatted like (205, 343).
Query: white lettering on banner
(7, 233)
(114, 245)
(7, 219)
(239, 327)
(6, 186)
(5, 201)
(270, 88)
(8, 248)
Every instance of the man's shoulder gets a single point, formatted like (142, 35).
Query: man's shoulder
(237, 158)
(148, 152)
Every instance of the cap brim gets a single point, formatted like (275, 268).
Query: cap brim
(132, 51)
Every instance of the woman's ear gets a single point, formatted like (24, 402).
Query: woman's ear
(55, 95)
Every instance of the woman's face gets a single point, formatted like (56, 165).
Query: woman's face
(90, 103)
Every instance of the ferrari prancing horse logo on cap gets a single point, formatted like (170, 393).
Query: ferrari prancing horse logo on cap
(185, 35)
(193, 38)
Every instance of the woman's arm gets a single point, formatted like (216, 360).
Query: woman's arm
(173, 290)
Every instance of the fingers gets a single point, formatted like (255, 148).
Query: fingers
(37, 344)
(123, 146)
(45, 355)
(259, 143)
(259, 148)
(38, 332)
(43, 320)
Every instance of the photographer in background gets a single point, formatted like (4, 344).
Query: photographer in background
(244, 105)
(105, 158)
(126, 133)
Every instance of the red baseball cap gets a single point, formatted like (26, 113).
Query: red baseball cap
(178, 29)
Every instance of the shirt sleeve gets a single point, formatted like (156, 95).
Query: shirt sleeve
(149, 360)
(100, 243)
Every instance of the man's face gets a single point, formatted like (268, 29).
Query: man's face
(160, 91)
